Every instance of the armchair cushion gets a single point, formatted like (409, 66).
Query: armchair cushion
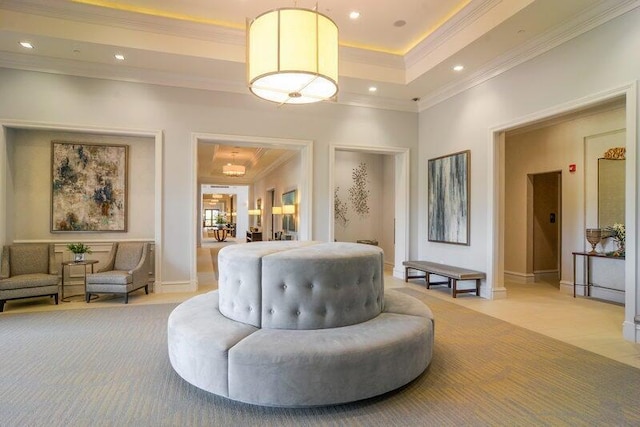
(114, 277)
(127, 256)
(34, 280)
(29, 259)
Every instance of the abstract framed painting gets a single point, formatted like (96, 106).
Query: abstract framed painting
(88, 187)
(448, 198)
(289, 211)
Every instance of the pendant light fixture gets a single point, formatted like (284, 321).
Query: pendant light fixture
(292, 56)
(233, 170)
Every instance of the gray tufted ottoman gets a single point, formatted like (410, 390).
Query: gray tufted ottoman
(300, 324)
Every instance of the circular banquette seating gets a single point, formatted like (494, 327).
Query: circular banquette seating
(300, 323)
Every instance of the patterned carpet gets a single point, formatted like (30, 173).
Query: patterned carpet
(109, 367)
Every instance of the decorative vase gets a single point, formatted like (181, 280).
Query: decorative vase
(594, 235)
(78, 257)
(620, 251)
(220, 234)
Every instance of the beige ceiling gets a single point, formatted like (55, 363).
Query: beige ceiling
(200, 43)
(404, 48)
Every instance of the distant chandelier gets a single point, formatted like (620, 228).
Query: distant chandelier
(292, 56)
(233, 170)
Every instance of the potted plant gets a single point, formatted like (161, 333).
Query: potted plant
(78, 249)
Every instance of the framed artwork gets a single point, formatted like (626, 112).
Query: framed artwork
(88, 187)
(448, 198)
(289, 217)
(259, 206)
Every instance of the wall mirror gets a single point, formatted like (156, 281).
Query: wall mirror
(611, 188)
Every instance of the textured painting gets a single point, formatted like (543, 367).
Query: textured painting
(289, 220)
(88, 187)
(448, 198)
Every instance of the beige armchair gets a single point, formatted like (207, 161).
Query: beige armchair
(126, 270)
(28, 271)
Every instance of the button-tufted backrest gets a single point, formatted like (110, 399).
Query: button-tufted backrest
(239, 282)
(301, 285)
(322, 286)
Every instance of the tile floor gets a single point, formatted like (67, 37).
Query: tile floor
(586, 323)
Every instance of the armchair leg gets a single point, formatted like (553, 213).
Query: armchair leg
(87, 297)
(146, 290)
(2, 306)
(55, 298)
(126, 298)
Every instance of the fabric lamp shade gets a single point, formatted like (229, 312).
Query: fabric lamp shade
(276, 210)
(289, 209)
(292, 56)
(254, 212)
(233, 170)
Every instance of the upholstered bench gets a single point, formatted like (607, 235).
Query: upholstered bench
(300, 324)
(452, 273)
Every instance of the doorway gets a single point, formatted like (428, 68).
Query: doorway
(546, 220)
(396, 218)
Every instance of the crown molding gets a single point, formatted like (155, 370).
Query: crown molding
(164, 78)
(591, 18)
(90, 14)
(475, 10)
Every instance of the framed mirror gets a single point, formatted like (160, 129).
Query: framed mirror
(611, 188)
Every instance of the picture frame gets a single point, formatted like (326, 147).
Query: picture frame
(88, 187)
(289, 221)
(448, 198)
(259, 207)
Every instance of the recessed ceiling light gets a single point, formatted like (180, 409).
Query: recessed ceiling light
(26, 45)
(354, 15)
(372, 88)
(119, 57)
(458, 68)
(400, 23)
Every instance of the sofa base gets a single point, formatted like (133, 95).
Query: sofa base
(300, 368)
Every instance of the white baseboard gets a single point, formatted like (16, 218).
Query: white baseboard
(171, 287)
(516, 277)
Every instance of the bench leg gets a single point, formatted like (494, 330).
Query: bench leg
(406, 274)
(454, 282)
(477, 287)
(426, 277)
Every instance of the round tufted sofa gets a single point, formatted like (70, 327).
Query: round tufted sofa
(298, 323)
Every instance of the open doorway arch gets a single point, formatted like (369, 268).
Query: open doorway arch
(496, 185)
(306, 181)
(401, 197)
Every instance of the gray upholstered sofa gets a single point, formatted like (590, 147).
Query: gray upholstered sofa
(27, 271)
(300, 324)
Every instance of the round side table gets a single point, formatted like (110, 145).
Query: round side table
(84, 263)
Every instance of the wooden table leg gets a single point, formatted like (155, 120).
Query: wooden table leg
(454, 282)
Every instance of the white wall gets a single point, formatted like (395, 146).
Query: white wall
(378, 223)
(30, 193)
(178, 113)
(595, 62)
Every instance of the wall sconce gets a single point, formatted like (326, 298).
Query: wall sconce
(276, 210)
(289, 209)
(254, 212)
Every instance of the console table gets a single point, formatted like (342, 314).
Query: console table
(587, 276)
(254, 236)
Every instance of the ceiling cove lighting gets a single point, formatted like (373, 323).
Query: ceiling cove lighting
(292, 56)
